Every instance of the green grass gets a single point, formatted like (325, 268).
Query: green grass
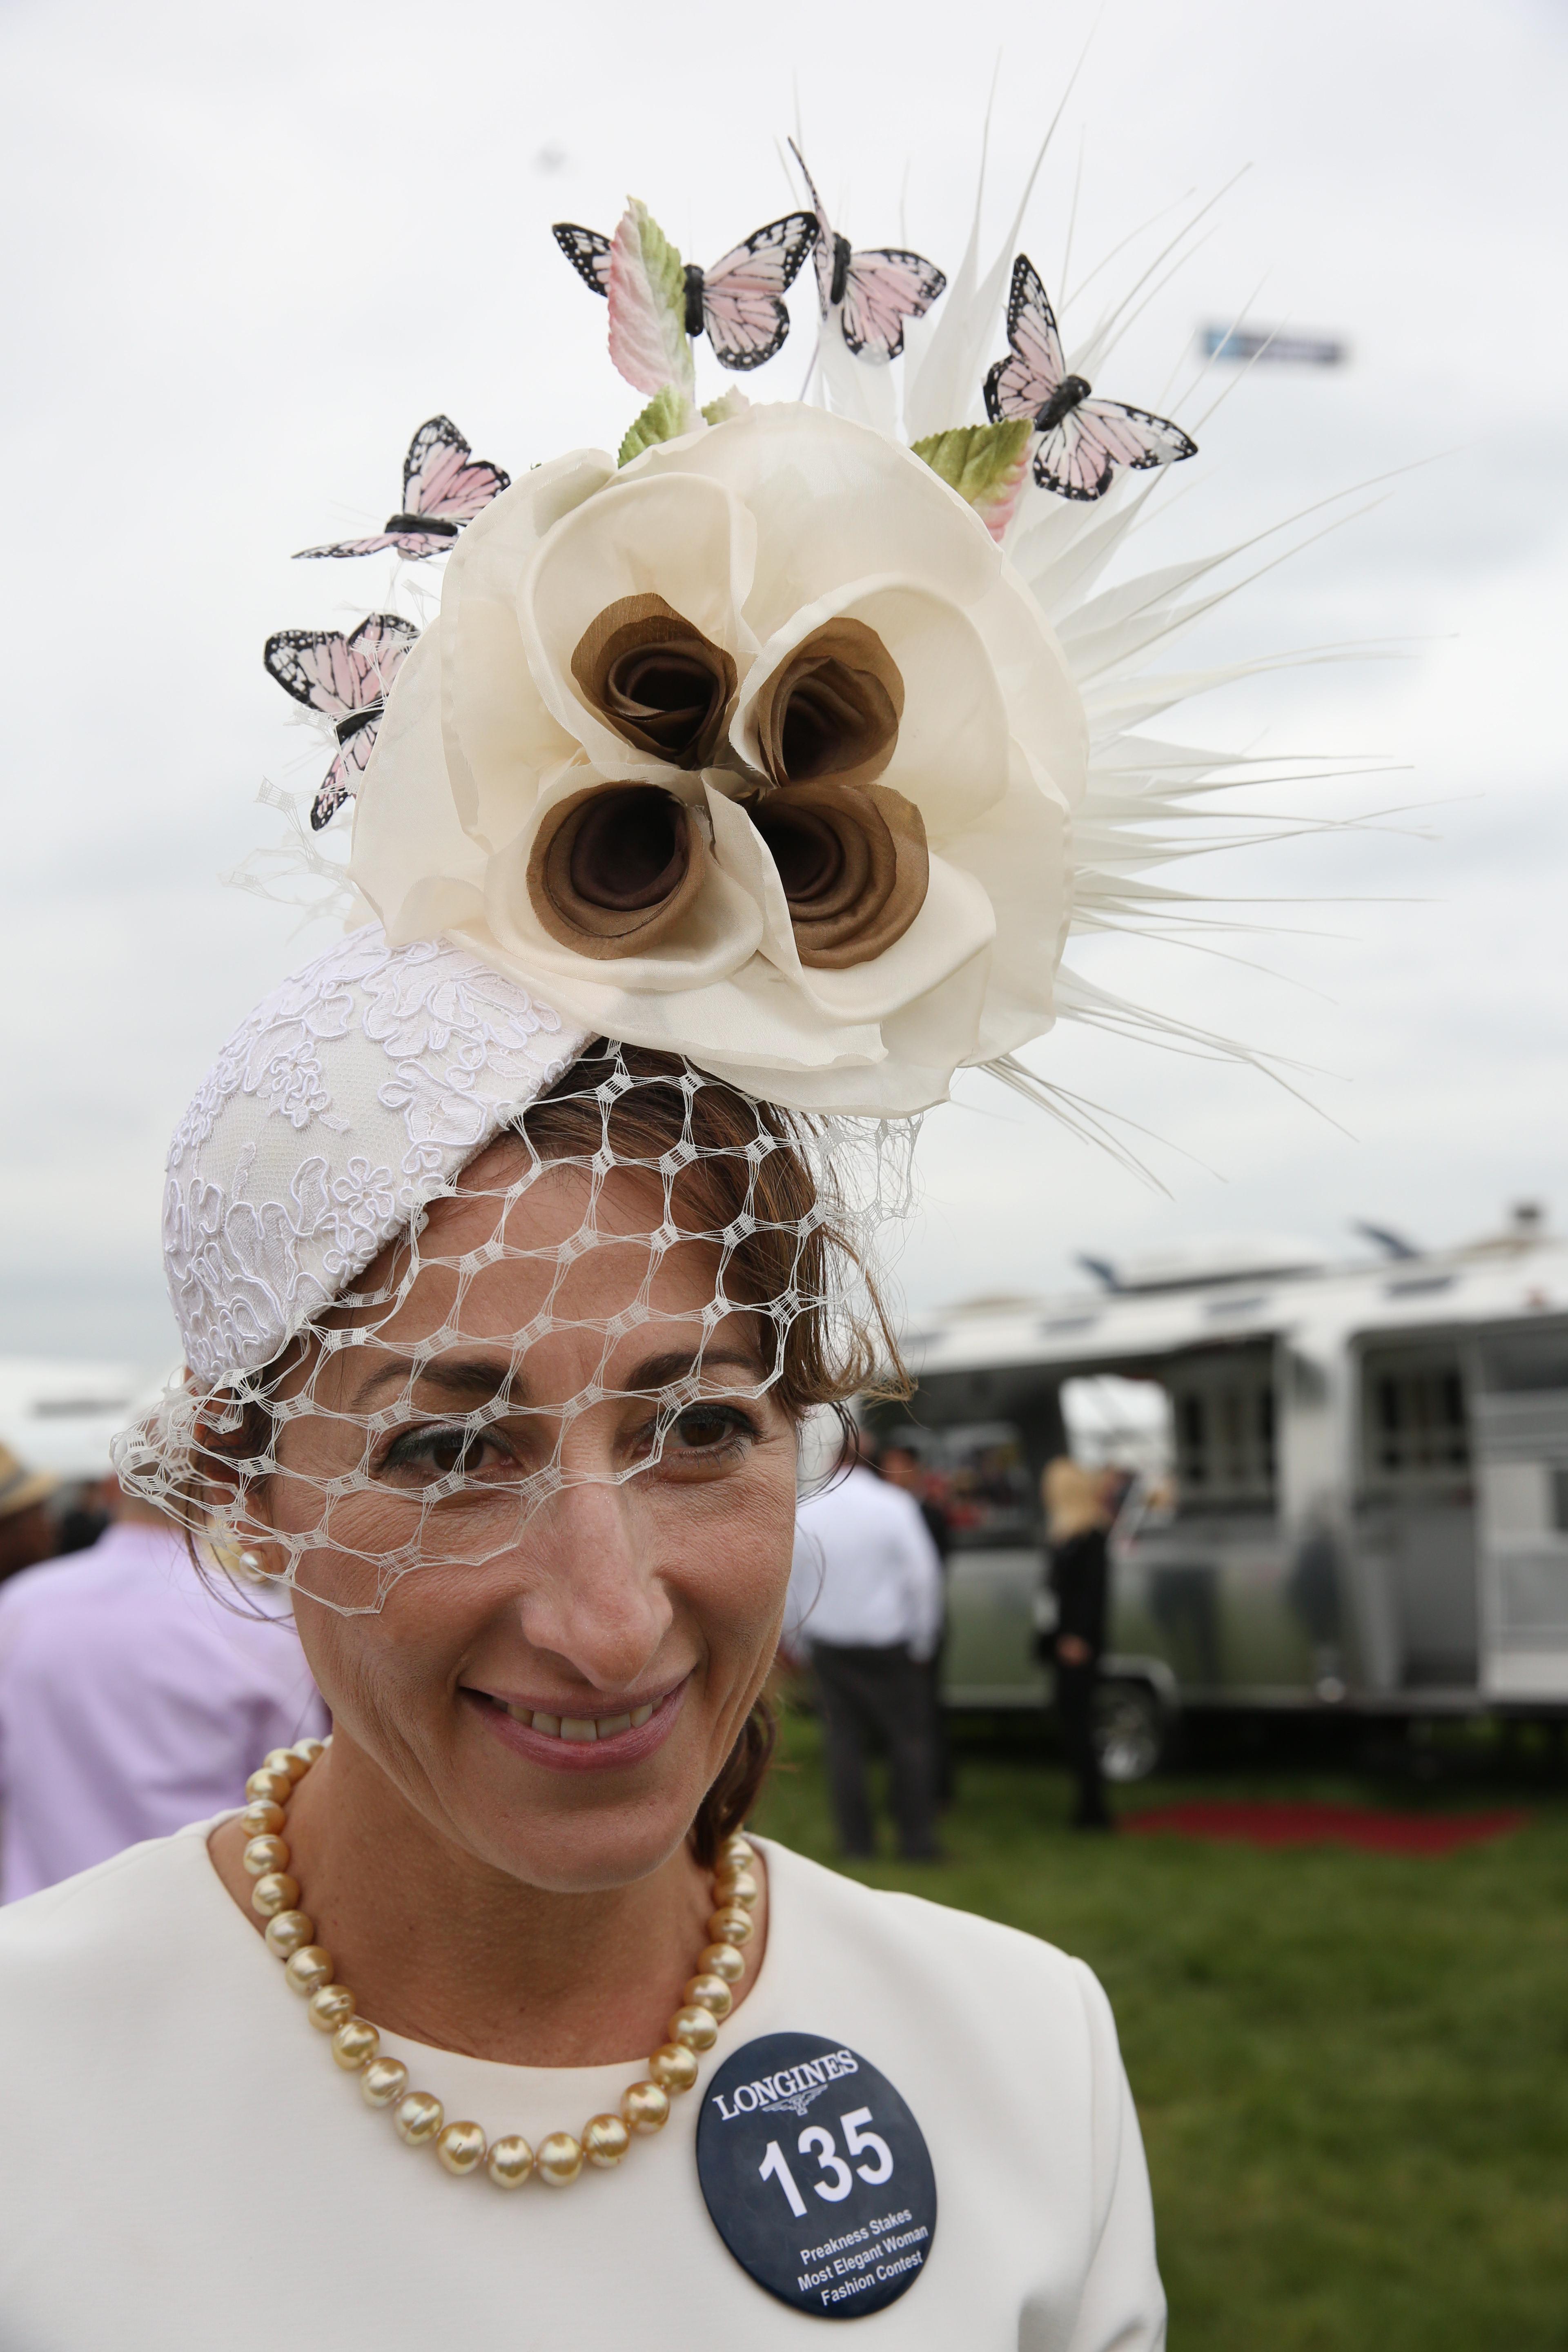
(1351, 2069)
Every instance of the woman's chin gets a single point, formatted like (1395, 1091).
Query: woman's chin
(572, 1826)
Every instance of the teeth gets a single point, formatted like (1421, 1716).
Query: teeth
(580, 1726)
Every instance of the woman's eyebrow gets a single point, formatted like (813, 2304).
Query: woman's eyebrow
(473, 1380)
(682, 1363)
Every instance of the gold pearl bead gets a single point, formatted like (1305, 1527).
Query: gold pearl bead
(309, 1969)
(710, 1993)
(672, 2067)
(283, 1760)
(559, 2159)
(288, 1932)
(268, 1786)
(731, 1926)
(737, 1853)
(511, 2161)
(330, 2008)
(264, 1854)
(276, 1892)
(722, 1960)
(646, 2106)
(737, 1887)
(694, 2028)
(605, 2141)
(418, 2117)
(309, 1751)
(262, 1821)
(355, 2044)
(461, 2149)
(383, 2082)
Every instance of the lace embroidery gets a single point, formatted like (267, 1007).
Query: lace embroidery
(257, 1238)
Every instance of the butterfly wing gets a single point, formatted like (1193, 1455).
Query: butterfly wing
(317, 669)
(885, 286)
(380, 646)
(743, 296)
(1080, 458)
(1035, 366)
(403, 541)
(441, 477)
(338, 784)
(588, 251)
(340, 677)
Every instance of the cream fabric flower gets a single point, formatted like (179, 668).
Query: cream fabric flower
(757, 749)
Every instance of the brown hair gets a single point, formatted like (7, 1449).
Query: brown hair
(743, 1170)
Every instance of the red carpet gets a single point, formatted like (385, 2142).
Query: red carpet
(1271, 1822)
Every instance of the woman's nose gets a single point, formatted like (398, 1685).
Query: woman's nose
(595, 1601)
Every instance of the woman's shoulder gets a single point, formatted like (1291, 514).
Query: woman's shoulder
(947, 1953)
(149, 1896)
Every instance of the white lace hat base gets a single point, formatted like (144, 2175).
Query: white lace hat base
(353, 1095)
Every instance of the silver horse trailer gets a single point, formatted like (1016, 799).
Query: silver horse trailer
(1348, 1486)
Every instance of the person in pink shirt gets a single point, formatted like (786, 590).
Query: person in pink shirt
(133, 1700)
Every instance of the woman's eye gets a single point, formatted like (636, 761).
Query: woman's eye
(440, 1453)
(711, 1428)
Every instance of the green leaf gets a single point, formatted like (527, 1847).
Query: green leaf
(666, 271)
(667, 416)
(985, 463)
(733, 403)
(977, 459)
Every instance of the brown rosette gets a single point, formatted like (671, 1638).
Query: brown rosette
(833, 708)
(854, 865)
(655, 679)
(615, 868)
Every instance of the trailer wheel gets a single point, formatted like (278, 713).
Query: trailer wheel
(1129, 1729)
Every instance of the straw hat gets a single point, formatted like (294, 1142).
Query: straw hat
(20, 1488)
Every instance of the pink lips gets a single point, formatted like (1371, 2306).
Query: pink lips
(557, 1755)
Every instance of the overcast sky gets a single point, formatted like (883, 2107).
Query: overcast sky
(250, 251)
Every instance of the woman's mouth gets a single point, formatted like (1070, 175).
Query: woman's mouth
(579, 1743)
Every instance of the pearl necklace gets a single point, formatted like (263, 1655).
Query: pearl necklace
(418, 2114)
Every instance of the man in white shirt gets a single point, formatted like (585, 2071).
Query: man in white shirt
(132, 1700)
(865, 1601)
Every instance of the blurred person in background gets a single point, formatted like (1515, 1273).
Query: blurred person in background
(133, 1698)
(1079, 1514)
(27, 1526)
(902, 1467)
(866, 1602)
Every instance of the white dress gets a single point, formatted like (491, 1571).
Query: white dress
(183, 2166)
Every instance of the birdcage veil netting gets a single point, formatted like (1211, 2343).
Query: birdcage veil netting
(620, 1269)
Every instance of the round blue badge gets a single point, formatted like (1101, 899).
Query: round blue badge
(816, 2174)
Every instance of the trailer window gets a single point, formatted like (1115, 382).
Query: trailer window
(1413, 1421)
(1223, 1410)
(982, 1480)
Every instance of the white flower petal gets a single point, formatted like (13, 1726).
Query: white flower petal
(834, 502)
(951, 758)
(687, 541)
(500, 735)
(411, 855)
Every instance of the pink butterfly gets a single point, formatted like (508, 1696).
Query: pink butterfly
(1083, 441)
(875, 291)
(739, 303)
(348, 680)
(444, 486)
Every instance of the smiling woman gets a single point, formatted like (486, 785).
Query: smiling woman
(720, 816)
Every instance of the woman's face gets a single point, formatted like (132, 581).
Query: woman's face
(557, 1682)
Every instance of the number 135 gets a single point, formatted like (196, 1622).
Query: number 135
(835, 2180)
